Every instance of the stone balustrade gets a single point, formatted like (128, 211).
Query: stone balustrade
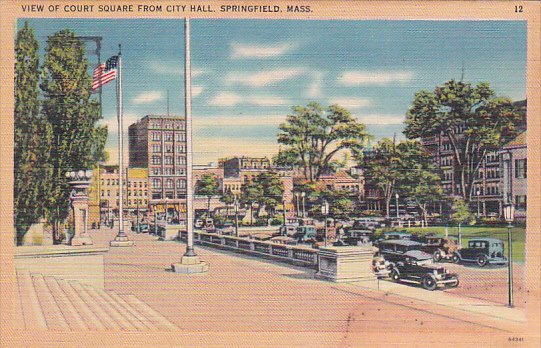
(303, 255)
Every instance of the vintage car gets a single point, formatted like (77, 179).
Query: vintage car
(227, 228)
(141, 228)
(395, 251)
(483, 251)
(441, 248)
(286, 230)
(430, 278)
(358, 237)
(305, 234)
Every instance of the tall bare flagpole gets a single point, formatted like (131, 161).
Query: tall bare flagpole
(189, 263)
(121, 238)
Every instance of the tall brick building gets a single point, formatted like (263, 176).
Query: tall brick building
(158, 143)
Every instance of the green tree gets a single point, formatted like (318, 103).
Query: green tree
(473, 119)
(272, 190)
(251, 194)
(460, 214)
(382, 166)
(228, 198)
(207, 186)
(32, 137)
(340, 203)
(313, 136)
(78, 142)
(422, 181)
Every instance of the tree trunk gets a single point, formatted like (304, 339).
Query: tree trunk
(208, 205)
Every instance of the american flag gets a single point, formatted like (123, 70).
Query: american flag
(104, 73)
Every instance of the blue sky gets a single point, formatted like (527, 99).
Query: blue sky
(248, 73)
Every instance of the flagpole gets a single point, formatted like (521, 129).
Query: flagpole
(189, 262)
(121, 238)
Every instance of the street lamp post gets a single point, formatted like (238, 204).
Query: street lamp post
(325, 213)
(303, 194)
(297, 194)
(397, 212)
(509, 212)
(478, 206)
(236, 203)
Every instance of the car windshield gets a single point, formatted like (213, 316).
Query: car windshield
(477, 244)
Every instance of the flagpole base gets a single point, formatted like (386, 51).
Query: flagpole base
(190, 265)
(121, 241)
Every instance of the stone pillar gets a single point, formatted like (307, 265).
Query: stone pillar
(80, 200)
(346, 264)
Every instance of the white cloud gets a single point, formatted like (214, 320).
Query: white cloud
(314, 90)
(232, 99)
(196, 90)
(351, 103)
(225, 99)
(176, 69)
(264, 78)
(381, 78)
(238, 120)
(381, 119)
(147, 97)
(239, 50)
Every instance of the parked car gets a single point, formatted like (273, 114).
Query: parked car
(430, 278)
(358, 236)
(198, 223)
(305, 234)
(483, 251)
(143, 227)
(441, 248)
(227, 228)
(284, 240)
(395, 251)
(286, 230)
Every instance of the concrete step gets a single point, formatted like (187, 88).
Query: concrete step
(91, 320)
(135, 318)
(156, 318)
(31, 308)
(115, 314)
(53, 315)
(73, 318)
(95, 307)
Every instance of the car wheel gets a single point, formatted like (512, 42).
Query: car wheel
(395, 276)
(437, 256)
(455, 282)
(482, 261)
(455, 258)
(429, 283)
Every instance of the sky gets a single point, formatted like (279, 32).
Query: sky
(247, 74)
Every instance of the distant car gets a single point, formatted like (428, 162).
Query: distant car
(305, 234)
(284, 240)
(430, 278)
(395, 251)
(286, 230)
(227, 228)
(483, 251)
(143, 227)
(198, 223)
(358, 236)
(441, 248)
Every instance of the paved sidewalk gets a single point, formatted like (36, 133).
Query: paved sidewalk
(242, 293)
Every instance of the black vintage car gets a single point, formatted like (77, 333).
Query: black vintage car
(441, 248)
(395, 251)
(430, 278)
(483, 251)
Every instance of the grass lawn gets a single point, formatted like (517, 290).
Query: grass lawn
(468, 232)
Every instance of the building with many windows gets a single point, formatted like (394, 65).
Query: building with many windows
(158, 143)
(514, 169)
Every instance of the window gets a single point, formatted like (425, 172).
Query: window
(168, 159)
(169, 183)
(181, 148)
(181, 159)
(156, 136)
(181, 171)
(168, 136)
(520, 202)
(181, 184)
(156, 171)
(156, 160)
(168, 171)
(156, 148)
(520, 168)
(168, 148)
(156, 183)
(180, 136)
